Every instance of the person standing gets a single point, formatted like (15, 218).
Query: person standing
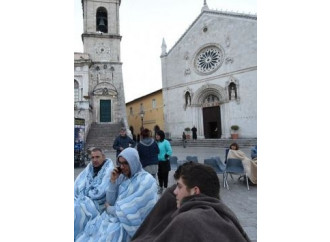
(148, 151)
(184, 138)
(164, 166)
(122, 142)
(194, 132)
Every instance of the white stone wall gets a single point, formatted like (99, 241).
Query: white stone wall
(113, 15)
(236, 36)
(104, 69)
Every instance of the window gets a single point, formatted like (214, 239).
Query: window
(102, 20)
(141, 107)
(131, 110)
(154, 103)
(76, 91)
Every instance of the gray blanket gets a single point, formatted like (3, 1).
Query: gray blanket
(200, 218)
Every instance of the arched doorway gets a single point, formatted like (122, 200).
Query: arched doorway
(211, 117)
(209, 111)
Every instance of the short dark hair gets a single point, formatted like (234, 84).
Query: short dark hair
(161, 134)
(200, 175)
(145, 133)
(234, 144)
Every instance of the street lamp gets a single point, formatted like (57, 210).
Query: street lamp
(141, 115)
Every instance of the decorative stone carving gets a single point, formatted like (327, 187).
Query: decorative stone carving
(105, 89)
(229, 60)
(187, 95)
(209, 59)
(227, 41)
(205, 91)
(187, 72)
(232, 86)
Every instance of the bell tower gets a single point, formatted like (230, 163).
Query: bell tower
(101, 40)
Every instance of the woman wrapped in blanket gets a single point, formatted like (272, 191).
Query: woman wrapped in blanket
(131, 195)
(250, 166)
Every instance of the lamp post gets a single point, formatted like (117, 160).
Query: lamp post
(142, 115)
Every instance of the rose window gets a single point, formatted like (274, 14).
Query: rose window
(209, 60)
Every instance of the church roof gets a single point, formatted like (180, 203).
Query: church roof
(215, 12)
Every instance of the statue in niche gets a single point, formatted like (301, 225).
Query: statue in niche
(232, 91)
(188, 98)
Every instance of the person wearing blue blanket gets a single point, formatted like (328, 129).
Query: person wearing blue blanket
(131, 195)
(90, 190)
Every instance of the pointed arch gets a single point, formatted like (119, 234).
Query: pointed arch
(232, 88)
(209, 90)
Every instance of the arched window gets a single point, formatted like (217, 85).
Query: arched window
(187, 98)
(102, 20)
(232, 89)
(76, 91)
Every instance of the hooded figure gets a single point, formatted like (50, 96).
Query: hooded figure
(131, 197)
(148, 151)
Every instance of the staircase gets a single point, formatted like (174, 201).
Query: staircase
(102, 135)
(221, 143)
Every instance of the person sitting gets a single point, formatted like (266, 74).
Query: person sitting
(90, 190)
(250, 166)
(191, 211)
(131, 195)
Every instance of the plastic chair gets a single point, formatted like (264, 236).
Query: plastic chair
(174, 162)
(181, 162)
(192, 158)
(227, 150)
(219, 163)
(235, 166)
(219, 170)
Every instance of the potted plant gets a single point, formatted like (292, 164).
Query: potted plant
(234, 131)
(187, 132)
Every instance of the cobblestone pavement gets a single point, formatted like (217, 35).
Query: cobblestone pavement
(243, 202)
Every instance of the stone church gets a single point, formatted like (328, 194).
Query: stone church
(209, 76)
(98, 82)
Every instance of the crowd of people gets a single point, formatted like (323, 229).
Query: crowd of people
(123, 201)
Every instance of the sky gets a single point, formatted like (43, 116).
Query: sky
(143, 25)
(37, 107)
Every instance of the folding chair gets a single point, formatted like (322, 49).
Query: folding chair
(235, 166)
(192, 158)
(174, 162)
(218, 169)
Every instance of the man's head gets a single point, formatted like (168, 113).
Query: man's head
(145, 133)
(98, 157)
(195, 178)
(129, 162)
(122, 132)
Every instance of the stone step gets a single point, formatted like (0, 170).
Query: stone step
(215, 142)
(102, 135)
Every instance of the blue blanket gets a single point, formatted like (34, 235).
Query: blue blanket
(135, 196)
(90, 195)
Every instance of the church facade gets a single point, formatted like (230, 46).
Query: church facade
(209, 77)
(98, 83)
